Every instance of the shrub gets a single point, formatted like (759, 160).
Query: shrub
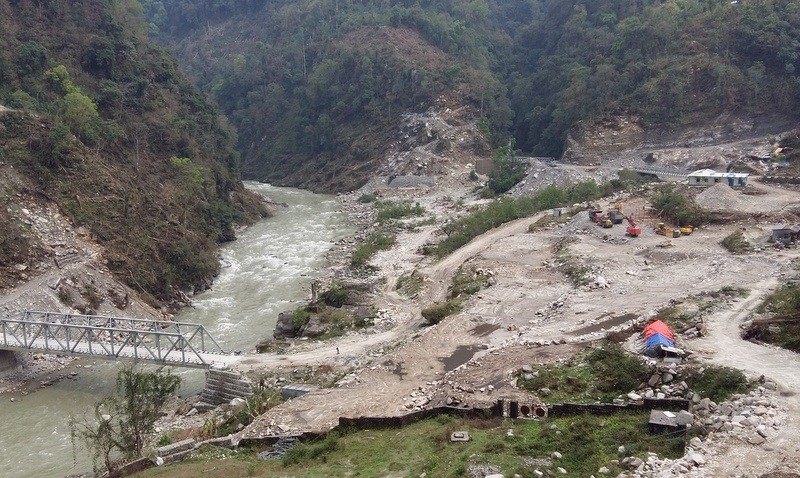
(409, 284)
(718, 383)
(367, 198)
(389, 210)
(677, 207)
(615, 370)
(784, 302)
(736, 243)
(437, 312)
(308, 451)
(372, 244)
(300, 318)
(336, 296)
(507, 171)
(468, 282)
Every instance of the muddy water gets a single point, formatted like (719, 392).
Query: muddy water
(267, 270)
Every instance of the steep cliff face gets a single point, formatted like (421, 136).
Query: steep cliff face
(100, 125)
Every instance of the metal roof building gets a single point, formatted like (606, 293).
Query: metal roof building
(709, 177)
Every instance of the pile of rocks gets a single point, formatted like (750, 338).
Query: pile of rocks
(664, 383)
(416, 400)
(749, 417)
(666, 468)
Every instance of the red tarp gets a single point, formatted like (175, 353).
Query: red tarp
(658, 327)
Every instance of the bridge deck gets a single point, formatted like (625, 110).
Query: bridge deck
(171, 343)
(675, 173)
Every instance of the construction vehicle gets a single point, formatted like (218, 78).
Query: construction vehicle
(686, 230)
(616, 216)
(633, 230)
(603, 220)
(662, 229)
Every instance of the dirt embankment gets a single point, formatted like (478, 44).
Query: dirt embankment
(470, 357)
(533, 313)
(62, 271)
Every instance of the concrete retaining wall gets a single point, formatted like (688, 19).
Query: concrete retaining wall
(781, 179)
(567, 409)
(222, 387)
(376, 423)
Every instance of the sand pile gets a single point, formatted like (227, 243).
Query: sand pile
(720, 197)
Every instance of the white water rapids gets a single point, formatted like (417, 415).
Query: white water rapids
(268, 269)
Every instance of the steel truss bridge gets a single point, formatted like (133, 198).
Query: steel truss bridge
(663, 172)
(170, 343)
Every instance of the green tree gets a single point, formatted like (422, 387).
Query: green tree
(507, 171)
(80, 114)
(122, 422)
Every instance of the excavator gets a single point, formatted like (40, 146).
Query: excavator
(686, 230)
(633, 230)
(662, 229)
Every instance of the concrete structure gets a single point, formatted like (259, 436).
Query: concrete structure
(667, 422)
(222, 386)
(785, 233)
(709, 177)
(295, 390)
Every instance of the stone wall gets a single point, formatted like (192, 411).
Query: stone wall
(566, 409)
(8, 361)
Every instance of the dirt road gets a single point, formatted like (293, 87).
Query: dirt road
(533, 301)
(724, 346)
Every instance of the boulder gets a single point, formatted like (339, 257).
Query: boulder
(697, 458)
(314, 328)
(284, 329)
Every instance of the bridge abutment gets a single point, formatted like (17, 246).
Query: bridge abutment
(8, 361)
(222, 386)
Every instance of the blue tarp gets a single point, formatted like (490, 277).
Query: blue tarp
(658, 339)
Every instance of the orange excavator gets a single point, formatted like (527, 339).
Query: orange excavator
(633, 230)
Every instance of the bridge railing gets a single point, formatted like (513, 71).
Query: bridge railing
(108, 342)
(677, 173)
(178, 343)
(194, 333)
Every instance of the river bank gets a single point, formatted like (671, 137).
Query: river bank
(269, 268)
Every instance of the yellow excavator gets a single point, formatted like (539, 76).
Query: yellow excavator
(662, 229)
(686, 230)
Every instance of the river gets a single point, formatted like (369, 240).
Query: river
(268, 269)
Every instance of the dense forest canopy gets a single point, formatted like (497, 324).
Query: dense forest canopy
(108, 128)
(301, 90)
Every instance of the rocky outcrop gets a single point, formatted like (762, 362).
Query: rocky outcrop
(589, 140)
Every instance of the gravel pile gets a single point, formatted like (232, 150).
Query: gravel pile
(720, 197)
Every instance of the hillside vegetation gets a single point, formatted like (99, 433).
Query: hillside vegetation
(104, 125)
(317, 88)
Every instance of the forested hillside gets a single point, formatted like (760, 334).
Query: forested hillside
(104, 125)
(315, 87)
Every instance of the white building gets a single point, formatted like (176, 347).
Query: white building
(709, 177)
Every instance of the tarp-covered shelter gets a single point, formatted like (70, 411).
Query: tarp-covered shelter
(657, 335)
(658, 327)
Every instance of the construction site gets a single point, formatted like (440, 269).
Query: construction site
(655, 284)
(557, 284)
